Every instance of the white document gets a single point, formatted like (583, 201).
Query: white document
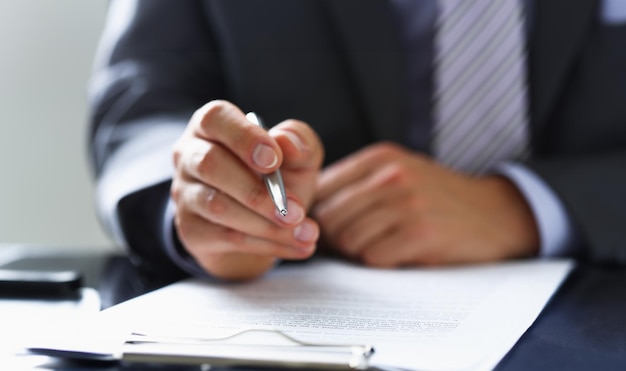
(22, 319)
(440, 319)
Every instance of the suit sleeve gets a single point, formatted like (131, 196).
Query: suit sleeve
(584, 156)
(593, 189)
(155, 66)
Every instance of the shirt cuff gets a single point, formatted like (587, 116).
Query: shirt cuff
(174, 249)
(556, 229)
(140, 163)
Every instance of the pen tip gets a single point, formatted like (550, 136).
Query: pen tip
(283, 212)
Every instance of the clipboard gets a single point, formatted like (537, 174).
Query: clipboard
(141, 348)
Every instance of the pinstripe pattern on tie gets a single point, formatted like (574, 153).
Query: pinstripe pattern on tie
(480, 102)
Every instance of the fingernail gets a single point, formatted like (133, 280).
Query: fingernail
(296, 141)
(264, 156)
(294, 215)
(306, 232)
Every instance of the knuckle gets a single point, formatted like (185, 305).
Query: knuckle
(233, 237)
(396, 173)
(177, 152)
(256, 197)
(210, 117)
(176, 190)
(213, 202)
(210, 112)
(207, 161)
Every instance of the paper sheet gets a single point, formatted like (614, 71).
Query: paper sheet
(440, 319)
(21, 320)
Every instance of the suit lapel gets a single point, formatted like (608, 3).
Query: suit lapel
(369, 37)
(558, 33)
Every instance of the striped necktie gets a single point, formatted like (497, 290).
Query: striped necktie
(480, 106)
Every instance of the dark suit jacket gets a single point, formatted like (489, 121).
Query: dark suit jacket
(339, 65)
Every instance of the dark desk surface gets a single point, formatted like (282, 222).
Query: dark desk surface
(582, 328)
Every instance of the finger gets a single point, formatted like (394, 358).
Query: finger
(355, 167)
(366, 231)
(302, 157)
(219, 208)
(338, 210)
(222, 122)
(219, 168)
(410, 243)
(389, 252)
(203, 238)
(302, 149)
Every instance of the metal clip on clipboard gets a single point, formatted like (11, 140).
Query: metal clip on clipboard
(143, 348)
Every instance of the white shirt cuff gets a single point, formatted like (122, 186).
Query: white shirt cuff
(140, 163)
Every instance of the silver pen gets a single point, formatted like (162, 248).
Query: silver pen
(273, 181)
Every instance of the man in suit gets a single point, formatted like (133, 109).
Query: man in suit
(362, 178)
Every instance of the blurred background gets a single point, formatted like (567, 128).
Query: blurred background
(46, 190)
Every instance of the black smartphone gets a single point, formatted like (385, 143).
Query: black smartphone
(47, 273)
(19, 283)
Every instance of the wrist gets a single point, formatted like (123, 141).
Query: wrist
(517, 228)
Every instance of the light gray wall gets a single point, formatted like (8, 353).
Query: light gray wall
(46, 53)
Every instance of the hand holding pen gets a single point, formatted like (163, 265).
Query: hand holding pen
(225, 217)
